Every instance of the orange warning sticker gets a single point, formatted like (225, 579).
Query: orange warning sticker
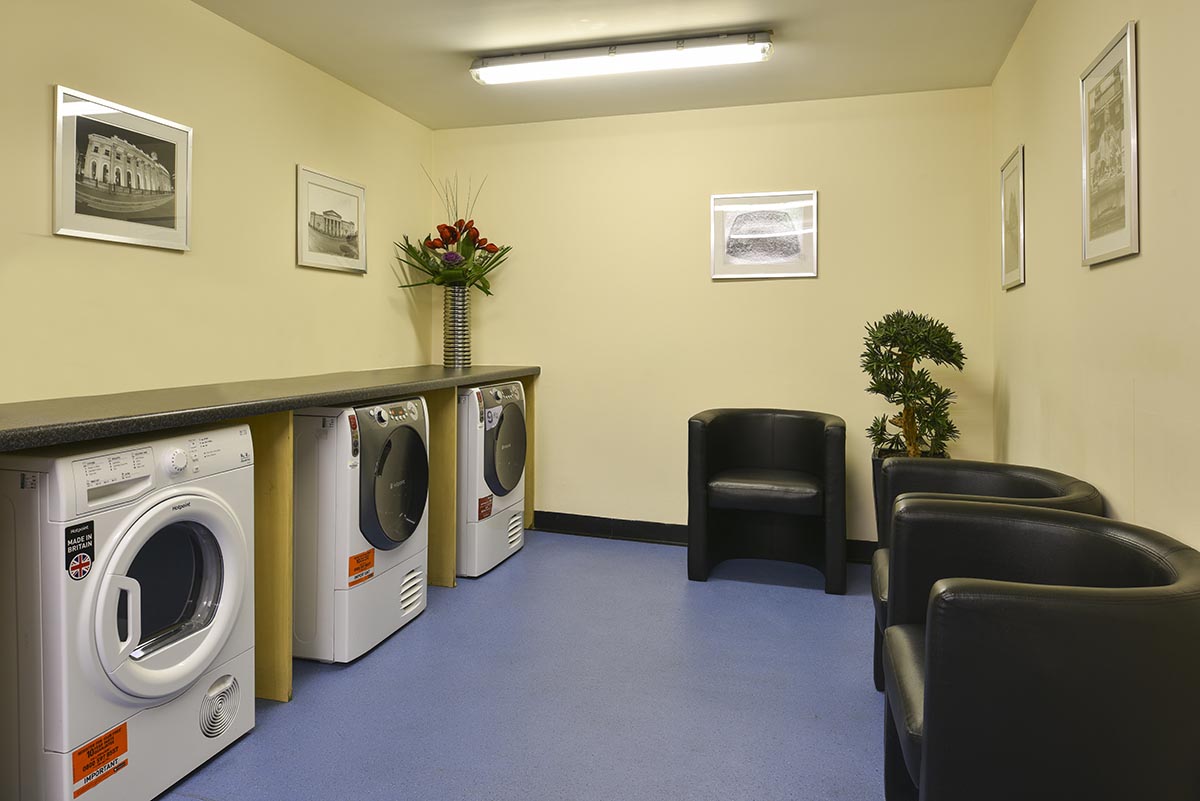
(362, 567)
(100, 759)
(485, 507)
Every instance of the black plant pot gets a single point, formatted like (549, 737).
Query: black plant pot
(878, 455)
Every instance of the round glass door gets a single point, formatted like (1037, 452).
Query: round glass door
(401, 489)
(170, 595)
(505, 462)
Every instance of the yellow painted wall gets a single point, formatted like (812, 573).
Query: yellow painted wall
(609, 284)
(1096, 367)
(85, 317)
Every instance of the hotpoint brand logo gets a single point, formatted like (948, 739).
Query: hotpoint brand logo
(506, 446)
(177, 507)
(399, 483)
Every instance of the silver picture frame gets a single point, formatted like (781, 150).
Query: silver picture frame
(331, 222)
(1108, 132)
(764, 235)
(1012, 220)
(120, 175)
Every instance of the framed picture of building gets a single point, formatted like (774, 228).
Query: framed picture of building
(1012, 220)
(764, 235)
(330, 222)
(1108, 111)
(119, 174)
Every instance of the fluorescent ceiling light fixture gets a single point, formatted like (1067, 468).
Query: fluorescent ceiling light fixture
(709, 51)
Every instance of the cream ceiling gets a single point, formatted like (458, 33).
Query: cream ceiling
(413, 56)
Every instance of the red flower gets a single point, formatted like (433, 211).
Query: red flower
(491, 248)
(461, 224)
(434, 244)
(449, 235)
(482, 243)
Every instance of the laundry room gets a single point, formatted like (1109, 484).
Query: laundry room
(380, 419)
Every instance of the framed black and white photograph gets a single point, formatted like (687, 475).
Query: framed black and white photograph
(1108, 108)
(119, 174)
(1012, 220)
(330, 222)
(764, 235)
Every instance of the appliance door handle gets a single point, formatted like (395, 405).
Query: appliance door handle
(133, 611)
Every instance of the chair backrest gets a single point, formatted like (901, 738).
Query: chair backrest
(994, 482)
(778, 438)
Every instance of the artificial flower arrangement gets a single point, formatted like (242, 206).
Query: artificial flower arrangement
(458, 255)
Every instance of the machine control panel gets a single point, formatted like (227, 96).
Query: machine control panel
(403, 412)
(502, 394)
(107, 478)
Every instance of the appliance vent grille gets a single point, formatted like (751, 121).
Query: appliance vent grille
(220, 706)
(412, 590)
(516, 530)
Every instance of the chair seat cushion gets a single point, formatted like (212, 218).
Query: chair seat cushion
(766, 489)
(881, 565)
(904, 675)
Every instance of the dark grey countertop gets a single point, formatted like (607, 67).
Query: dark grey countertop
(32, 424)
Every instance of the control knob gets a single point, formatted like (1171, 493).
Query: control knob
(380, 414)
(176, 461)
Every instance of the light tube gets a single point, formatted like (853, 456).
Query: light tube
(617, 59)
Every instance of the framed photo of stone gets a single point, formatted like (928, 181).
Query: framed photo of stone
(120, 175)
(764, 235)
(331, 218)
(1012, 220)
(1108, 110)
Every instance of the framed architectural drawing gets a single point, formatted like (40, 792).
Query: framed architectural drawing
(331, 217)
(1012, 220)
(119, 174)
(764, 235)
(1108, 111)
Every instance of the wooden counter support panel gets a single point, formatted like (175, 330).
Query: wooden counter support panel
(531, 449)
(272, 435)
(443, 482)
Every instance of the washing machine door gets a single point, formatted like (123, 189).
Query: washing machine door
(394, 493)
(504, 448)
(170, 595)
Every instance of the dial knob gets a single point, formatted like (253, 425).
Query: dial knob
(380, 415)
(496, 394)
(177, 461)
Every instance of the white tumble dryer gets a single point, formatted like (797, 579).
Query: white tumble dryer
(491, 476)
(361, 526)
(126, 613)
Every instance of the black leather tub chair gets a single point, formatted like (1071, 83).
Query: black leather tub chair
(963, 480)
(1039, 655)
(767, 484)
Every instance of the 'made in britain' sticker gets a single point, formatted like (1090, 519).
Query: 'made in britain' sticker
(81, 549)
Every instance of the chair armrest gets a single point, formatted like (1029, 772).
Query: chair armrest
(1083, 692)
(698, 468)
(834, 447)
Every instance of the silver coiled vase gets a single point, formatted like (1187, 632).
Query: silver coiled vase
(456, 326)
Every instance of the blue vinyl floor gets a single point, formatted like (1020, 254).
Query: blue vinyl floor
(586, 669)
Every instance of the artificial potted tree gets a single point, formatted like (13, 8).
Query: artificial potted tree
(895, 348)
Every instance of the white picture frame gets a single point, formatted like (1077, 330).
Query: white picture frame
(1108, 131)
(120, 175)
(331, 222)
(1012, 220)
(764, 235)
